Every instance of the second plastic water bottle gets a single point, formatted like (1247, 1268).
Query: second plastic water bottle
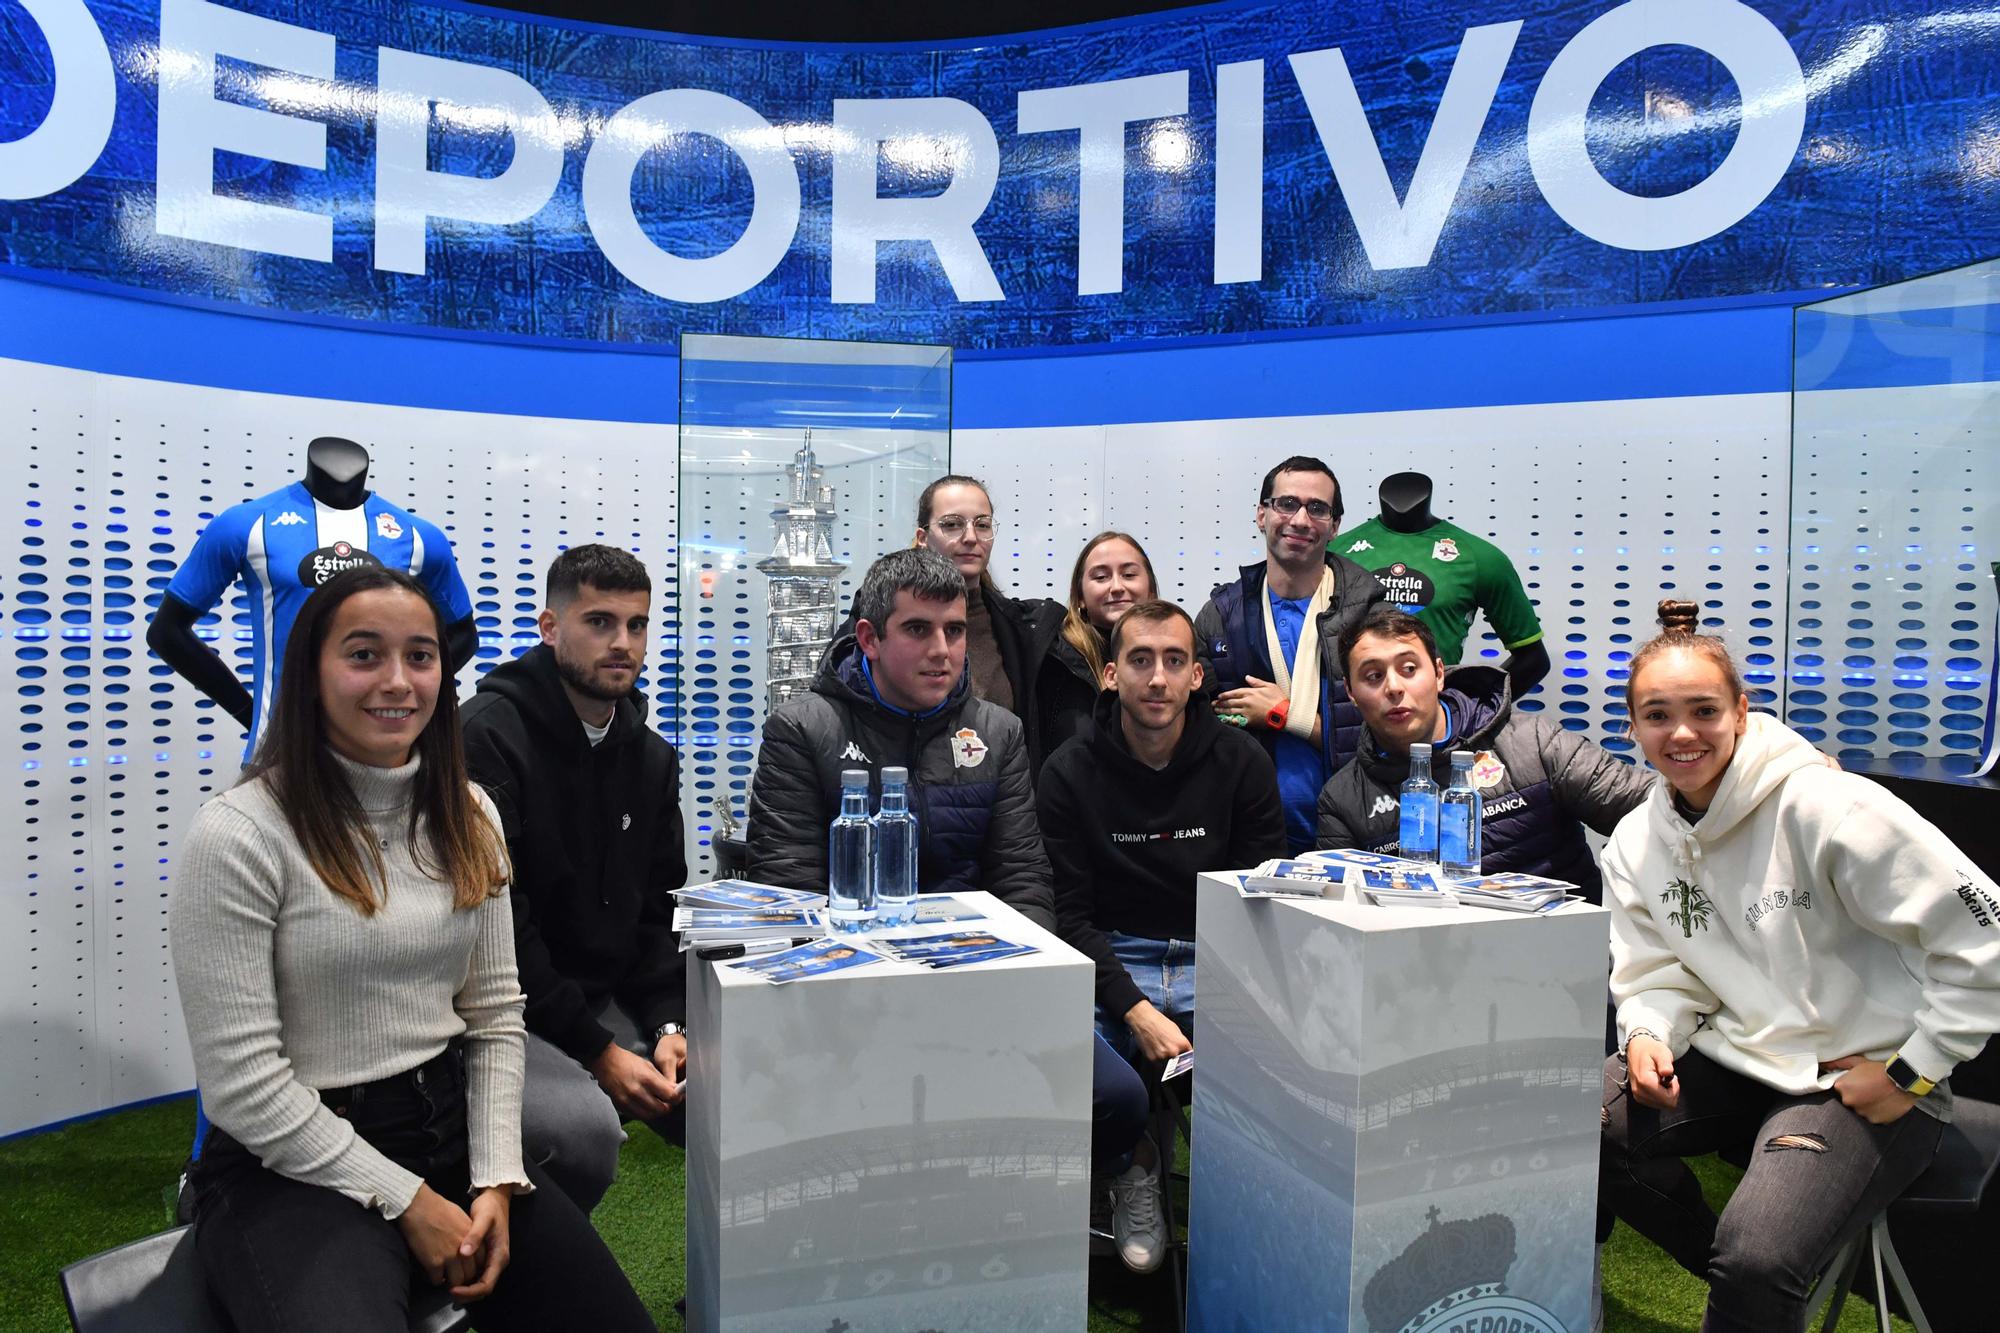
(1458, 819)
(1418, 804)
(850, 859)
(895, 851)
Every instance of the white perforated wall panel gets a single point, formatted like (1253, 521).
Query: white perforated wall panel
(110, 480)
(1604, 507)
(1892, 583)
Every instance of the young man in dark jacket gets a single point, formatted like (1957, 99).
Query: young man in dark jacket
(1540, 785)
(894, 693)
(1268, 640)
(589, 801)
(1156, 792)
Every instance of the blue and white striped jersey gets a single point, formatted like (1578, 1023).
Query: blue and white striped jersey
(284, 545)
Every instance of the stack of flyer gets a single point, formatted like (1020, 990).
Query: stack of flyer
(1302, 878)
(1387, 881)
(958, 948)
(738, 911)
(1514, 892)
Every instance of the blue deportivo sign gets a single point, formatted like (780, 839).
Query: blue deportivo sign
(1237, 169)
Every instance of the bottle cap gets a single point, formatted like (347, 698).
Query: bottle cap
(1463, 757)
(1420, 750)
(895, 775)
(852, 778)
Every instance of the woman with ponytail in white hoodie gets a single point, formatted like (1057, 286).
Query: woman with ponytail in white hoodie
(1798, 960)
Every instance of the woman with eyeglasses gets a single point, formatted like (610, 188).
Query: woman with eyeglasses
(1112, 575)
(344, 949)
(1007, 640)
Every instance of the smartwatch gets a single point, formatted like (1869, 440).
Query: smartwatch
(1275, 719)
(1905, 1076)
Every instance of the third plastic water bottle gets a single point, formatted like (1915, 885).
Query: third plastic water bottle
(895, 851)
(1458, 819)
(1418, 837)
(850, 858)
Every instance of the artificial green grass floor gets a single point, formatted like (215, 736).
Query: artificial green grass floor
(72, 1192)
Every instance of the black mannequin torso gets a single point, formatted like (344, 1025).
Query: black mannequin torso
(337, 472)
(1406, 502)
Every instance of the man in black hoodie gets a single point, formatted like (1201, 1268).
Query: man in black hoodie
(589, 801)
(1156, 792)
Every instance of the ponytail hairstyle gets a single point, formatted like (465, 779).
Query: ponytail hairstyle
(1680, 623)
(450, 835)
(1076, 628)
(925, 514)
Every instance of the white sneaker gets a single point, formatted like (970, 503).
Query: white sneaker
(1138, 1219)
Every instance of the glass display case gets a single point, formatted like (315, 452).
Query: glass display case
(1890, 643)
(800, 462)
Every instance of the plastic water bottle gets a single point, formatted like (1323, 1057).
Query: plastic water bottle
(1418, 836)
(895, 851)
(1458, 819)
(850, 857)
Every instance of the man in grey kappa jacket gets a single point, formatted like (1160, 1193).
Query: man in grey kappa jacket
(1540, 785)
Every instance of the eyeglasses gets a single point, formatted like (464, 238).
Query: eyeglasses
(952, 527)
(1319, 511)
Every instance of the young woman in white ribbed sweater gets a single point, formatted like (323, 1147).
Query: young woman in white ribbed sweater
(1799, 960)
(344, 948)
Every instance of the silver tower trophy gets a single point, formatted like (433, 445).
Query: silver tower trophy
(805, 580)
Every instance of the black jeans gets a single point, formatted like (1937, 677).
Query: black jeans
(286, 1256)
(1818, 1174)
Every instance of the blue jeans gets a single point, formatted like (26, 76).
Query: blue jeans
(1163, 970)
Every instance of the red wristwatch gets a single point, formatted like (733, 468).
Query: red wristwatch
(1275, 719)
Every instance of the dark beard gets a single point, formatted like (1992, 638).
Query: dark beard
(579, 679)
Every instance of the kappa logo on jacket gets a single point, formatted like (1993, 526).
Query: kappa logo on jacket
(967, 750)
(853, 751)
(1385, 804)
(288, 519)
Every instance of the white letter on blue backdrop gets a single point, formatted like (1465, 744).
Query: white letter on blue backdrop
(194, 125)
(51, 156)
(1403, 235)
(1768, 79)
(661, 118)
(1239, 172)
(943, 135)
(486, 101)
(1101, 111)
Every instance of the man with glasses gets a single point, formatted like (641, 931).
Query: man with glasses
(1271, 639)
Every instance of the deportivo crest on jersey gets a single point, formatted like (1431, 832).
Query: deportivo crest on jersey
(967, 750)
(1385, 804)
(853, 751)
(1363, 545)
(1445, 550)
(387, 525)
(288, 519)
(1487, 770)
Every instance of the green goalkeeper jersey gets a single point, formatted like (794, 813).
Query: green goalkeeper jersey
(1443, 576)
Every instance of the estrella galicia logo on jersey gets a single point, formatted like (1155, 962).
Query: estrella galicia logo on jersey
(1410, 589)
(323, 564)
